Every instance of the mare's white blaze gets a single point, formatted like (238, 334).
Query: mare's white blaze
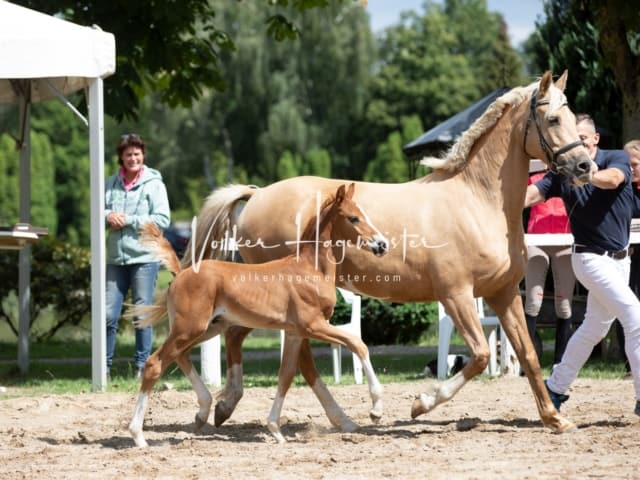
(135, 427)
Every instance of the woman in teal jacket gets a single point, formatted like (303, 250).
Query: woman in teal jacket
(133, 196)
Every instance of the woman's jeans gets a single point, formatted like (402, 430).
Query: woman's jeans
(141, 279)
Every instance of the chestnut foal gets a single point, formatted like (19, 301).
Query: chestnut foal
(296, 293)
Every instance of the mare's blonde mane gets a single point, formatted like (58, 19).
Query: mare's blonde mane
(458, 155)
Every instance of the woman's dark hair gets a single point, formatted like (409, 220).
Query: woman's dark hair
(130, 140)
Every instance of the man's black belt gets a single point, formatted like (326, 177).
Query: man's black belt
(617, 255)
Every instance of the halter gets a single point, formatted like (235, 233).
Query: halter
(552, 157)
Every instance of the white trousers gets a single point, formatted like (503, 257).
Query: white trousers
(609, 297)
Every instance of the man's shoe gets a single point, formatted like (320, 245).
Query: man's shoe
(637, 410)
(139, 373)
(557, 398)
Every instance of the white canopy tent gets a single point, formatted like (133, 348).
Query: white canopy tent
(43, 57)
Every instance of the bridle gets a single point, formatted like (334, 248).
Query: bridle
(552, 157)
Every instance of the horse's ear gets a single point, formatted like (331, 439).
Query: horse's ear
(545, 83)
(339, 194)
(350, 190)
(561, 83)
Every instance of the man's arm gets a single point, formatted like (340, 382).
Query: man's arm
(533, 196)
(607, 179)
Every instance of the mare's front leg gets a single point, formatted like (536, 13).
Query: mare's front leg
(334, 413)
(228, 398)
(508, 307)
(462, 311)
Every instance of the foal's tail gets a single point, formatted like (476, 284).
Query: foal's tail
(215, 222)
(152, 238)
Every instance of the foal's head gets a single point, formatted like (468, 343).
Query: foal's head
(354, 217)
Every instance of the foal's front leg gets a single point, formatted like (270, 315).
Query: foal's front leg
(321, 330)
(286, 373)
(334, 413)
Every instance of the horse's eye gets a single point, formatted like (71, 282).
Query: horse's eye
(353, 220)
(554, 121)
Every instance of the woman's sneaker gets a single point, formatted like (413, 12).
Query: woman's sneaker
(637, 410)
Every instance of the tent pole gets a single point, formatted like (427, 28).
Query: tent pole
(98, 255)
(24, 260)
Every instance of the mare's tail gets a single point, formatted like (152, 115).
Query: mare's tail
(215, 222)
(151, 237)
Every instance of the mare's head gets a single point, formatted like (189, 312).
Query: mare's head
(551, 134)
(353, 220)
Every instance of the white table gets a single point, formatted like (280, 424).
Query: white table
(560, 239)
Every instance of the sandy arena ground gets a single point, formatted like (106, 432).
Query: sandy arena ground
(490, 430)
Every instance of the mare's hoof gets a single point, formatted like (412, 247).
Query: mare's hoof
(375, 416)
(200, 423)
(222, 413)
(417, 408)
(564, 426)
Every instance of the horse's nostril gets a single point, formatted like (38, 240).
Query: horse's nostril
(584, 167)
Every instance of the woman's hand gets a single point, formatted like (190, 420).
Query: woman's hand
(116, 220)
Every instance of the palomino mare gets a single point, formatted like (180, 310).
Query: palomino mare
(296, 294)
(455, 234)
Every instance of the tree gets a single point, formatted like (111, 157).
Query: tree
(435, 64)
(599, 42)
(172, 48)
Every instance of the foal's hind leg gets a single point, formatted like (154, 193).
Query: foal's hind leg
(508, 307)
(334, 413)
(156, 364)
(228, 398)
(462, 311)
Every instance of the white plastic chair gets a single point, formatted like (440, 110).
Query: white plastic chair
(508, 361)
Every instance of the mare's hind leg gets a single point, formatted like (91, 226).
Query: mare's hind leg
(228, 398)
(463, 313)
(334, 413)
(508, 307)
(286, 373)
(320, 329)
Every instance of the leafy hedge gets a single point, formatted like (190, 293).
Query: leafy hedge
(385, 323)
(60, 279)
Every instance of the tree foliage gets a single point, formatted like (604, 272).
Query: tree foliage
(599, 43)
(168, 47)
(60, 279)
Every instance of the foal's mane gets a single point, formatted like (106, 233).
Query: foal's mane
(309, 233)
(458, 155)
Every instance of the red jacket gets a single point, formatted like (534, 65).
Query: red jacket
(549, 216)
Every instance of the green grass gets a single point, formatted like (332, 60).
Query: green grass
(71, 373)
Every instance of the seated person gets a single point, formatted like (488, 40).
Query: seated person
(549, 217)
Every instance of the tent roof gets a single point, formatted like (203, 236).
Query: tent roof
(448, 131)
(58, 55)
